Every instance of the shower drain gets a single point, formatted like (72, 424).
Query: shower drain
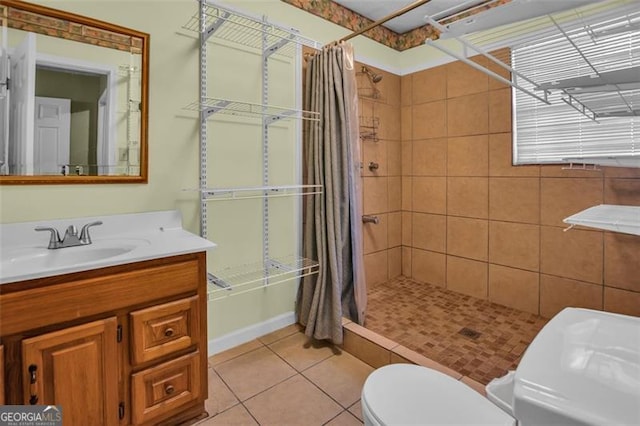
(470, 333)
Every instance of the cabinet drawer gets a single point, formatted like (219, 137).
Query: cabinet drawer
(163, 329)
(160, 390)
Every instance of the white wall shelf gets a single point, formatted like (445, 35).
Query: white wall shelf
(241, 29)
(210, 106)
(244, 193)
(625, 219)
(244, 278)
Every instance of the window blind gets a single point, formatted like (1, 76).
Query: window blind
(548, 133)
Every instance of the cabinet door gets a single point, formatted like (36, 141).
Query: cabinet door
(1, 375)
(77, 369)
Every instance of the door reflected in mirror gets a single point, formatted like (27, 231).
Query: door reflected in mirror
(72, 98)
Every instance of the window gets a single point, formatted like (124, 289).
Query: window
(608, 49)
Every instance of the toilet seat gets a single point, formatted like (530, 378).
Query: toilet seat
(404, 394)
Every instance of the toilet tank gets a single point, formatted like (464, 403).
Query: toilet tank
(583, 368)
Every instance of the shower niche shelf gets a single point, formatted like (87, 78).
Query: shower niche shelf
(625, 219)
(245, 278)
(246, 34)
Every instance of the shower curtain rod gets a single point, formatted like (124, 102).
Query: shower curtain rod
(381, 21)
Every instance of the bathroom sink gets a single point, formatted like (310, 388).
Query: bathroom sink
(41, 257)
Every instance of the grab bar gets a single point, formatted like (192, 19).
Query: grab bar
(370, 219)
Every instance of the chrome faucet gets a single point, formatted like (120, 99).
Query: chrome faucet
(71, 238)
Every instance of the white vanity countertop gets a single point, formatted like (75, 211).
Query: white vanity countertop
(121, 239)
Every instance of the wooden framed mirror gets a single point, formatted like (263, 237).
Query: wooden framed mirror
(73, 98)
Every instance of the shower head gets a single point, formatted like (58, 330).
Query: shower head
(375, 78)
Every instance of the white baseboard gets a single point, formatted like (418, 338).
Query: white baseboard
(238, 337)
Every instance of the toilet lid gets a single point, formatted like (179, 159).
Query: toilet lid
(403, 394)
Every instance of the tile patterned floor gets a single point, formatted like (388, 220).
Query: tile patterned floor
(428, 319)
(285, 379)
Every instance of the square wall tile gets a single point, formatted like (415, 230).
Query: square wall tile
(395, 193)
(375, 235)
(406, 90)
(504, 55)
(429, 85)
(429, 120)
(405, 123)
(622, 191)
(395, 262)
(514, 288)
(501, 160)
(429, 157)
(562, 197)
(622, 301)
(407, 193)
(622, 261)
(468, 156)
(558, 293)
(429, 232)
(500, 111)
(406, 261)
(561, 171)
(429, 195)
(389, 115)
(375, 194)
(468, 197)
(514, 244)
(428, 267)
(463, 79)
(467, 115)
(514, 199)
(394, 229)
(467, 237)
(574, 254)
(394, 158)
(376, 268)
(407, 228)
(390, 86)
(374, 152)
(621, 172)
(467, 276)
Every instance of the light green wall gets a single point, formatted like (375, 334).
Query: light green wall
(173, 144)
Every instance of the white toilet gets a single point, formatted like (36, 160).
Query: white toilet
(583, 368)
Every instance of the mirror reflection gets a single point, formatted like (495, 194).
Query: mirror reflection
(70, 99)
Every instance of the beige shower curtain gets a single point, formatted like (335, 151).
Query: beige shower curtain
(332, 229)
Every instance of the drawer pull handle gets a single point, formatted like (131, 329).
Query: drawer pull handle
(33, 384)
(169, 389)
(169, 332)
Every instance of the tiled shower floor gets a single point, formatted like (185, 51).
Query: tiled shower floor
(429, 319)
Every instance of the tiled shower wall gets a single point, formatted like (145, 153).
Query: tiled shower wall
(475, 224)
(382, 187)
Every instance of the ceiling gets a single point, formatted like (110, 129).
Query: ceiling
(509, 11)
(437, 9)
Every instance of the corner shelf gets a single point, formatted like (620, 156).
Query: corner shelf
(210, 106)
(244, 278)
(625, 219)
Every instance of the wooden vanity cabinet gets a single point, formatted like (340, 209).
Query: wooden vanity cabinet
(114, 346)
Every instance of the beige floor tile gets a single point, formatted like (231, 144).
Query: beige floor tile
(301, 352)
(234, 352)
(287, 331)
(253, 372)
(295, 401)
(356, 410)
(344, 419)
(237, 415)
(220, 396)
(341, 377)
